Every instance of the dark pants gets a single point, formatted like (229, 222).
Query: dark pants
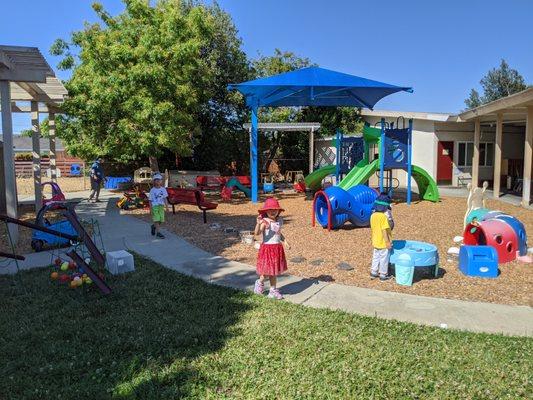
(95, 189)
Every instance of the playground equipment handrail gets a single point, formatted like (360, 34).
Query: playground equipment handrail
(38, 227)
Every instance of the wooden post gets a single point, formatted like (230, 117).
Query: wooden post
(9, 159)
(36, 155)
(52, 141)
(311, 149)
(475, 158)
(528, 155)
(498, 156)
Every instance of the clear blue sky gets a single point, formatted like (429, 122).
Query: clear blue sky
(441, 48)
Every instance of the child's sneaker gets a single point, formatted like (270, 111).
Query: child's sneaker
(160, 235)
(383, 278)
(373, 276)
(259, 287)
(275, 294)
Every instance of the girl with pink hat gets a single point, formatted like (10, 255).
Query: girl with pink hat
(271, 260)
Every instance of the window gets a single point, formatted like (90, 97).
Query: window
(466, 154)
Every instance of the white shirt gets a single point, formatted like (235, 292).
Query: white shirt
(157, 196)
(272, 232)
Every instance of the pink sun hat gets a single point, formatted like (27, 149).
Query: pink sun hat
(270, 204)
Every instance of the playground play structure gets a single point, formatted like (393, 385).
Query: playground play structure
(312, 86)
(489, 237)
(350, 200)
(81, 235)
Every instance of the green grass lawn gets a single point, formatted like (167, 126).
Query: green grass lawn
(161, 335)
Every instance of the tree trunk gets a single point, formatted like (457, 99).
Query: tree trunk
(154, 165)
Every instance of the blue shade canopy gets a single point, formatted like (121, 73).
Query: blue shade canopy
(314, 86)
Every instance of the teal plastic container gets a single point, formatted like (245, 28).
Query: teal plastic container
(405, 270)
(268, 187)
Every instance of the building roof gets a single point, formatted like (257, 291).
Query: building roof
(24, 144)
(513, 107)
(285, 126)
(428, 116)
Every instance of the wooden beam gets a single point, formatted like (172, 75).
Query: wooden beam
(528, 156)
(9, 159)
(36, 155)
(498, 156)
(52, 144)
(22, 75)
(475, 158)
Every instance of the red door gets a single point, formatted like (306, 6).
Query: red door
(445, 161)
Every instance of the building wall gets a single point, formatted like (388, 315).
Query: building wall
(512, 146)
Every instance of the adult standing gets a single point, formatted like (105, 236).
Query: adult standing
(97, 176)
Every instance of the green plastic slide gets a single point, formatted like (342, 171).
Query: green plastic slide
(359, 174)
(427, 187)
(313, 181)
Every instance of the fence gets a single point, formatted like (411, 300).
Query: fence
(24, 169)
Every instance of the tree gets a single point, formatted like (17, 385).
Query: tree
(221, 119)
(499, 82)
(139, 80)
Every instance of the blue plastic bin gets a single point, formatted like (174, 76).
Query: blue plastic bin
(268, 187)
(404, 270)
(480, 261)
(113, 181)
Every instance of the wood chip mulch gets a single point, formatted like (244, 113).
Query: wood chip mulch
(436, 223)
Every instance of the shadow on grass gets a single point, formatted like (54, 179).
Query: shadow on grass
(139, 342)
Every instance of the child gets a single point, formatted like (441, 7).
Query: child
(381, 238)
(271, 260)
(158, 201)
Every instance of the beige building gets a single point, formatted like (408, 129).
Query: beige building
(490, 143)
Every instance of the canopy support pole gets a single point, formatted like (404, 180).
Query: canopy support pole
(311, 149)
(253, 155)
(36, 155)
(9, 164)
(409, 160)
(382, 155)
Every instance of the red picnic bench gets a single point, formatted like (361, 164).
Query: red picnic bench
(210, 182)
(193, 197)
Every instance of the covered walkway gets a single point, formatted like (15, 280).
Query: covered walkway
(517, 110)
(25, 76)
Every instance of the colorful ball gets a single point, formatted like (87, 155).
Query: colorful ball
(64, 266)
(73, 284)
(57, 262)
(54, 275)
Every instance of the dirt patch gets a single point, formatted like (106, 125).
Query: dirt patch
(423, 221)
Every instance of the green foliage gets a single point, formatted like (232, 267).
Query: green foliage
(162, 335)
(140, 80)
(497, 83)
(222, 138)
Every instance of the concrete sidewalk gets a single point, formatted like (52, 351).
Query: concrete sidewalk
(125, 232)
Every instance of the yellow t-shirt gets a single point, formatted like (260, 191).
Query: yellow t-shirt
(378, 223)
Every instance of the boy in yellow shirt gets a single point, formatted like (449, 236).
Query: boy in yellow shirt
(381, 238)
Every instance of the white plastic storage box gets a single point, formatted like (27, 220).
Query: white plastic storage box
(119, 262)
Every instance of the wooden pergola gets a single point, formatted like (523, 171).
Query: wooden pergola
(312, 127)
(511, 109)
(25, 76)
